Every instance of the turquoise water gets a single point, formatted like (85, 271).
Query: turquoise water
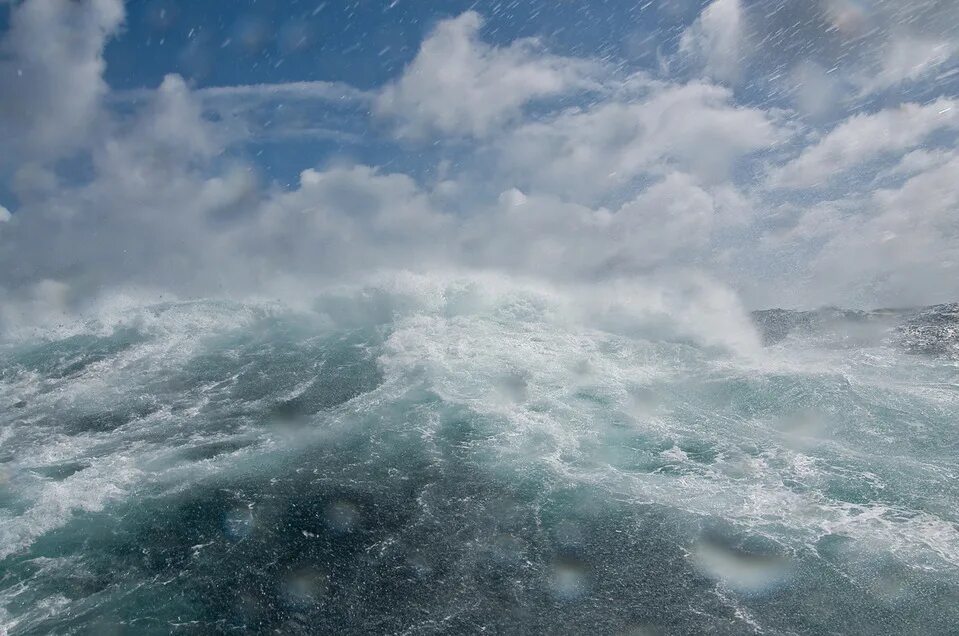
(467, 456)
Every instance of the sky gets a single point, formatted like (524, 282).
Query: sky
(798, 153)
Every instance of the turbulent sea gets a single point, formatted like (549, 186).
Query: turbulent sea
(473, 455)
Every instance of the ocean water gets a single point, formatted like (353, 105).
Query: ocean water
(475, 455)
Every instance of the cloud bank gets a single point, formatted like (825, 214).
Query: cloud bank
(572, 169)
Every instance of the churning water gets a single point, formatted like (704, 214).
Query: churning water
(471, 455)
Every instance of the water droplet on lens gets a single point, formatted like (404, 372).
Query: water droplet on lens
(238, 524)
(341, 516)
(305, 586)
(748, 572)
(420, 564)
(568, 580)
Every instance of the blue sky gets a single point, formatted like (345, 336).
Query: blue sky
(792, 153)
(363, 44)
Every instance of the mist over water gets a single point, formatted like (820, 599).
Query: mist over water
(427, 454)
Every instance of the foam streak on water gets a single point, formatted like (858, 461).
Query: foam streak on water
(426, 455)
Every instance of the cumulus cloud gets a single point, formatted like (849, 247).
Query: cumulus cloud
(587, 153)
(458, 85)
(668, 224)
(901, 247)
(143, 215)
(715, 41)
(564, 168)
(345, 219)
(907, 58)
(862, 138)
(906, 42)
(915, 162)
(894, 245)
(166, 134)
(51, 66)
(865, 47)
(815, 91)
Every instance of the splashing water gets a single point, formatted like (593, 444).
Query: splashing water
(426, 455)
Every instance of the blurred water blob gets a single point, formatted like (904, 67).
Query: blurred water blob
(341, 516)
(293, 36)
(101, 627)
(752, 571)
(568, 579)
(642, 402)
(162, 15)
(252, 33)
(848, 17)
(803, 429)
(6, 492)
(512, 386)
(887, 579)
(238, 524)
(641, 630)
(677, 9)
(815, 90)
(197, 58)
(892, 586)
(305, 587)
(421, 564)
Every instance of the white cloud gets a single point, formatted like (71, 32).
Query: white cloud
(644, 175)
(815, 91)
(316, 90)
(902, 248)
(889, 247)
(915, 162)
(171, 126)
(674, 215)
(866, 47)
(460, 86)
(715, 41)
(862, 138)
(160, 211)
(906, 42)
(667, 224)
(908, 58)
(147, 213)
(345, 220)
(588, 153)
(276, 112)
(51, 65)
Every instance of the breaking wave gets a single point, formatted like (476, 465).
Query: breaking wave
(474, 453)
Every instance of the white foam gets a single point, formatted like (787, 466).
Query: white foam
(466, 355)
(558, 372)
